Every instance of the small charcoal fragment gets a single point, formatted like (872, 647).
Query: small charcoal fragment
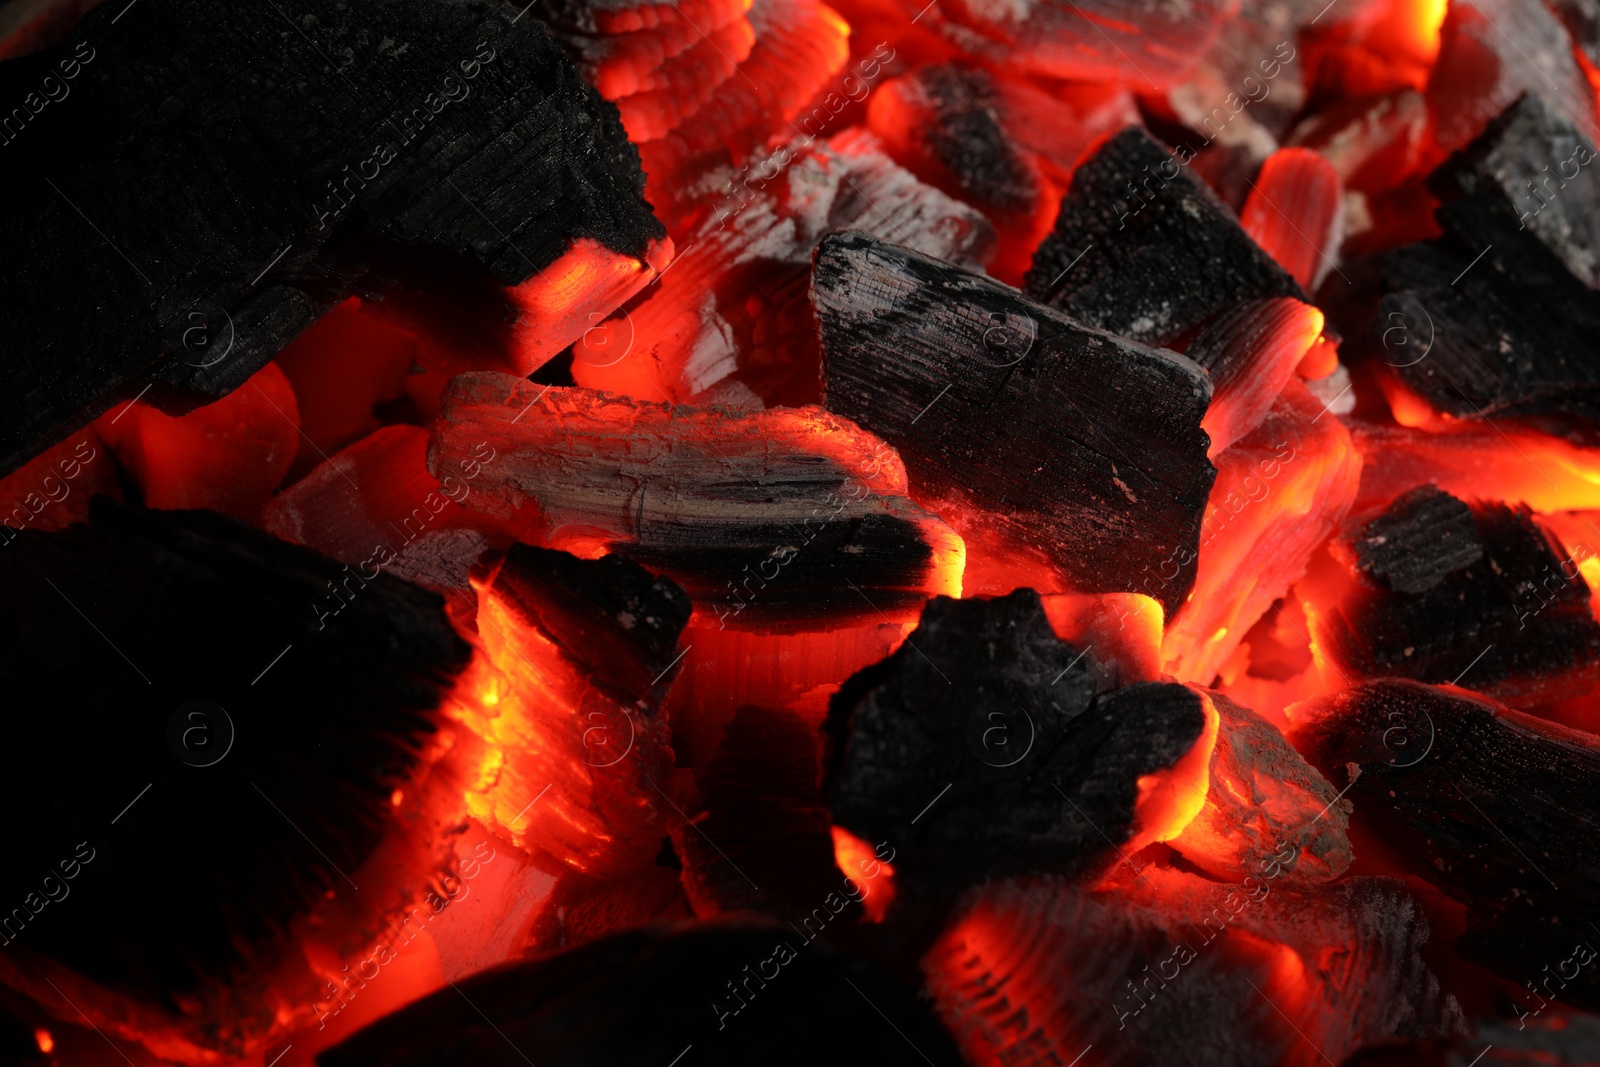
(1085, 446)
(978, 749)
(1496, 606)
(1424, 536)
(1497, 808)
(1161, 254)
(729, 995)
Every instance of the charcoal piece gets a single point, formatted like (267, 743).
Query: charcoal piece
(617, 623)
(1497, 808)
(1083, 445)
(126, 621)
(777, 517)
(735, 994)
(1582, 19)
(1426, 535)
(1527, 180)
(1487, 345)
(1514, 623)
(979, 750)
(1171, 968)
(210, 185)
(759, 801)
(1161, 254)
(1262, 796)
(1251, 353)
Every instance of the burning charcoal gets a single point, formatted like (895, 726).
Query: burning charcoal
(1497, 808)
(1499, 349)
(582, 654)
(1251, 353)
(759, 801)
(196, 276)
(342, 369)
(944, 124)
(1280, 492)
(1090, 445)
(1390, 550)
(1582, 19)
(1369, 142)
(374, 506)
(1255, 59)
(731, 668)
(1514, 610)
(1096, 41)
(53, 489)
(209, 708)
(733, 311)
(979, 750)
(800, 48)
(1171, 968)
(1296, 214)
(792, 514)
(1161, 254)
(732, 993)
(227, 456)
(1120, 634)
(1527, 176)
(1493, 51)
(1262, 796)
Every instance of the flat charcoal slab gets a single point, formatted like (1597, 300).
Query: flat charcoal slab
(1482, 594)
(172, 218)
(127, 619)
(979, 750)
(789, 514)
(641, 998)
(1086, 446)
(1499, 809)
(1161, 255)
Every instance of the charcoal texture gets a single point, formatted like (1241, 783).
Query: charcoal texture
(979, 750)
(1479, 595)
(1161, 255)
(114, 626)
(172, 220)
(1424, 536)
(1500, 313)
(1498, 809)
(965, 138)
(736, 995)
(1084, 445)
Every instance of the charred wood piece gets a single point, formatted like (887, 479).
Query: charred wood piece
(1168, 967)
(1161, 255)
(1499, 809)
(979, 749)
(1481, 594)
(449, 140)
(788, 515)
(1086, 446)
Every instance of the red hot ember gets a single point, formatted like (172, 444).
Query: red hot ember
(881, 530)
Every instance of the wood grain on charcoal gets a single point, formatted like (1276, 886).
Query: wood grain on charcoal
(1085, 445)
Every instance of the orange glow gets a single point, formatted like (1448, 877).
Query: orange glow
(1293, 213)
(1321, 360)
(42, 1038)
(1124, 629)
(566, 300)
(228, 456)
(1409, 408)
(860, 863)
(1169, 800)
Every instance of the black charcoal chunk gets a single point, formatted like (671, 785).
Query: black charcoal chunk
(1086, 446)
(979, 750)
(216, 178)
(1425, 535)
(1161, 255)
